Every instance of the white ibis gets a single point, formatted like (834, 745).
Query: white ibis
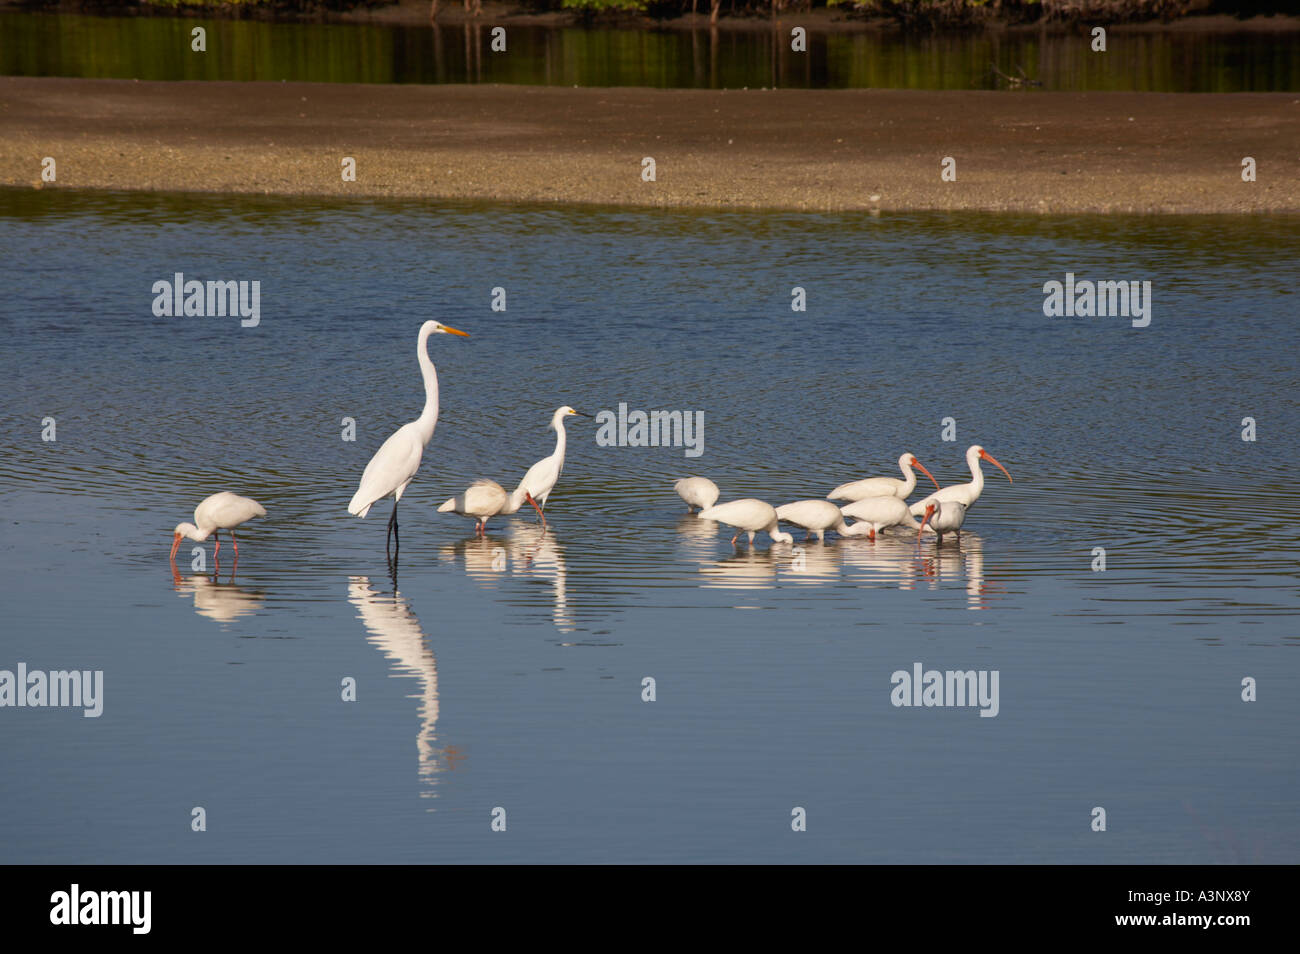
(884, 486)
(697, 492)
(965, 494)
(875, 514)
(395, 463)
(943, 517)
(815, 516)
(481, 500)
(221, 511)
(748, 515)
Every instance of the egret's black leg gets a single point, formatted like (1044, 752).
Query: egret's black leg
(392, 529)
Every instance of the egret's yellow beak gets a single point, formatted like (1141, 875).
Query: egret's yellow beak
(455, 331)
(176, 542)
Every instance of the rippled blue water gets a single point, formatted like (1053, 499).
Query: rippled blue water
(508, 672)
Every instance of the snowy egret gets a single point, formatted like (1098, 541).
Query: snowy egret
(221, 511)
(396, 462)
(540, 479)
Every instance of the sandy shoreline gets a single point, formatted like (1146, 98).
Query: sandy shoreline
(787, 149)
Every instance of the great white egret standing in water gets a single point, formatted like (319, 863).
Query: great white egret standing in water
(964, 494)
(396, 462)
(748, 515)
(697, 492)
(540, 479)
(221, 511)
(884, 486)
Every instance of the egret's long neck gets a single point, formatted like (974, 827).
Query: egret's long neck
(429, 417)
(559, 445)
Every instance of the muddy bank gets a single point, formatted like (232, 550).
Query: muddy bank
(789, 149)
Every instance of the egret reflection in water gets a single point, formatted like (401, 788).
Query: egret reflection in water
(530, 553)
(393, 628)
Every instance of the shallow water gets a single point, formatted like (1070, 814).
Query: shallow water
(508, 672)
(159, 48)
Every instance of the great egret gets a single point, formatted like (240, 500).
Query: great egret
(697, 492)
(540, 479)
(481, 500)
(748, 515)
(815, 516)
(884, 486)
(965, 494)
(942, 517)
(396, 462)
(221, 511)
(875, 514)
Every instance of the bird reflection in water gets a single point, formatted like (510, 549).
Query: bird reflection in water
(892, 559)
(697, 537)
(811, 563)
(392, 627)
(222, 602)
(960, 564)
(528, 551)
(744, 570)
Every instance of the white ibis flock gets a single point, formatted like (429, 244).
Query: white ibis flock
(874, 504)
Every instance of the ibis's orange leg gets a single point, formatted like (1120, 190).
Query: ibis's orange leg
(542, 516)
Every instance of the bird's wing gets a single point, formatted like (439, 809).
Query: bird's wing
(541, 477)
(484, 496)
(392, 466)
(227, 510)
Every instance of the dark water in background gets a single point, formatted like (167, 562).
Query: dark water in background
(158, 48)
(520, 687)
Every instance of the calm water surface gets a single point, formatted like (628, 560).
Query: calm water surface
(508, 672)
(158, 48)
